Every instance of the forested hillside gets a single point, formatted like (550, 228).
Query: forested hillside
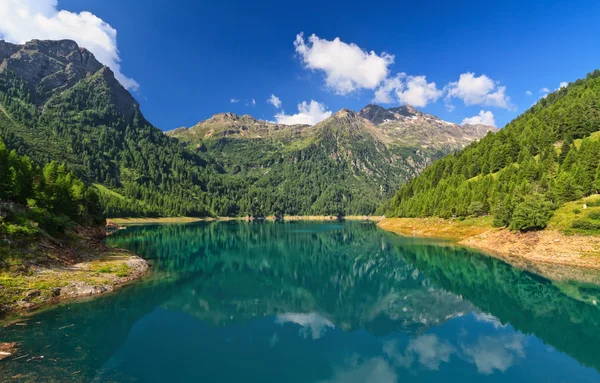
(58, 103)
(347, 164)
(547, 156)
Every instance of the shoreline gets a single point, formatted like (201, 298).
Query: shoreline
(54, 272)
(286, 218)
(548, 252)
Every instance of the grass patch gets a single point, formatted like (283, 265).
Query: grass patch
(572, 218)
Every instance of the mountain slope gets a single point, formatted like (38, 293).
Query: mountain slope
(346, 164)
(547, 156)
(59, 103)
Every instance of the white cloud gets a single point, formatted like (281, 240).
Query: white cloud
(275, 101)
(412, 90)
(499, 353)
(24, 20)
(528, 93)
(308, 113)
(544, 90)
(347, 67)
(234, 100)
(563, 85)
(427, 349)
(484, 118)
(253, 102)
(311, 323)
(480, 90)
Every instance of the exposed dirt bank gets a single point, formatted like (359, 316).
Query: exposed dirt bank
(329, 218)
(40, 272)
(549, 252)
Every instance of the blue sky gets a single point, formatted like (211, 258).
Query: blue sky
(187, 60)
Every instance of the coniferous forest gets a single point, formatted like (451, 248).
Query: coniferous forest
(547, 156)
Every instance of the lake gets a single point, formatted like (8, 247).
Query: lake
(313, 302)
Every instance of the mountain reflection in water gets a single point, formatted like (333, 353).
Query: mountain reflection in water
(310, 302)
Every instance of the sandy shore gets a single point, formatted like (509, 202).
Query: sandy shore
(548, 252)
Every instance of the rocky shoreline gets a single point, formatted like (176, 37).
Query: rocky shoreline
(53, 271)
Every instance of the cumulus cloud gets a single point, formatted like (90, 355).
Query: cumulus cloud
(484, 118)
(480, 90)
(275, 101)
(529, 93)
(253, 102)
(309, 113)
(412, 90)
(312, 324)
(562, 85)
(234, 100)
(544, 90)
(24, 20)
(347, 67)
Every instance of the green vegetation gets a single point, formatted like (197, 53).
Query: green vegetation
(50, 198)
(572, 218)
(548, 156)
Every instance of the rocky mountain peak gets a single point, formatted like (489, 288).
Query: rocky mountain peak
(345, 113)
(376, 114)
(406, 110)
(49, 66)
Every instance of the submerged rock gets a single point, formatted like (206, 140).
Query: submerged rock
(81, 289)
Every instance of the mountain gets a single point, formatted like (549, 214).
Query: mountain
(547, 156)
(346, 164)
(57, 102)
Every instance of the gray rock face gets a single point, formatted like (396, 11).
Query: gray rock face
(51, 67)
(7, 50)
(409, 127)
(48, 65)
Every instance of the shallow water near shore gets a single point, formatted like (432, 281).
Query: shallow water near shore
(313, 302)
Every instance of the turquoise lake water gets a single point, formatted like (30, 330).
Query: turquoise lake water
(313, 302)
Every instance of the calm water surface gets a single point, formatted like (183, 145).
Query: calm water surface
(314, 302)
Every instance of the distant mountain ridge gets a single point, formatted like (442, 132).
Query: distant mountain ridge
(402, 125)
(369, 153)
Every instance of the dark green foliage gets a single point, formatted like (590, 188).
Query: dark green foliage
(52, 197)
(499, 173)
(595, 215)
(533, 213)
(585, 225)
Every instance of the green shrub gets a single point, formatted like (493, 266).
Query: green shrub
(595, 215)
(533, 213)
(576, 211)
